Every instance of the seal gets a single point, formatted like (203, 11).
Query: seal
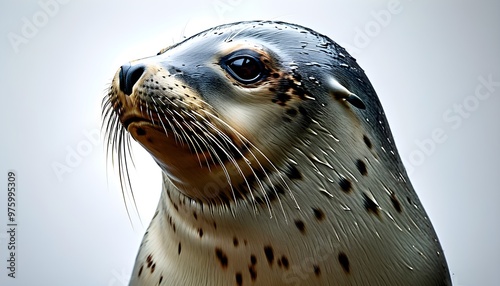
(279, 167)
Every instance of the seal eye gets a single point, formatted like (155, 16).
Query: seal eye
(245, 69)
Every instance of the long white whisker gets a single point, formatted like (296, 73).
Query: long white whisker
(220, 144)
(246, 141)
(117, 142)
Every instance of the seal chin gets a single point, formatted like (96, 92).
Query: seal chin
(187, 169)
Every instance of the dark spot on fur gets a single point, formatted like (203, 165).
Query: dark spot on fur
(260, 173)
(251, 268)
(300, 225)
(259, 200)
(253, 273)
(293, 173)
(153, 267)
(284, 262)
(271, 196)
(272, 89)
(276, 75)
(296, 76)
(195, 215)
(161, 279)
(179, 249)
(291, 112)
(149, 260)
(268, 250)
(361, 167)
(370, 205)
(345, 185)
(281, 98)
(302, 111)
(299, 92)
(319, 214)
(200, 232)
(140, 271)
(317, 270)
(243, 191)
(222, 257)
(367, 141)
(253, 259)
(239, 279)
(141, 132)
(235, 242)
(395, 203)
(279, 190)
(224, 198)
(239, 193)
(344, 262)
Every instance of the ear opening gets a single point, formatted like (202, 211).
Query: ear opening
(355, 101)
(341, 92)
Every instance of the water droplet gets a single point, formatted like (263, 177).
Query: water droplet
(313, 64)
(345, 207)
(322, 45)
(312, 131)
(326, 192)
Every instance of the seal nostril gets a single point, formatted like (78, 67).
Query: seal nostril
(129, 75)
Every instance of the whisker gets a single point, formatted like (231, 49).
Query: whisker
(197, 147)
(118, 147)
(215, 140)
(244, 140)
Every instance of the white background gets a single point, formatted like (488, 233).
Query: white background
(423, 60)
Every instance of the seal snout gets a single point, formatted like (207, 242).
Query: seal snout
(129, 75)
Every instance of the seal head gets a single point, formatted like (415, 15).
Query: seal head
(253, 120)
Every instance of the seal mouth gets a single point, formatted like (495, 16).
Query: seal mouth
(136, 116)
(134, 122)
(127, 120)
